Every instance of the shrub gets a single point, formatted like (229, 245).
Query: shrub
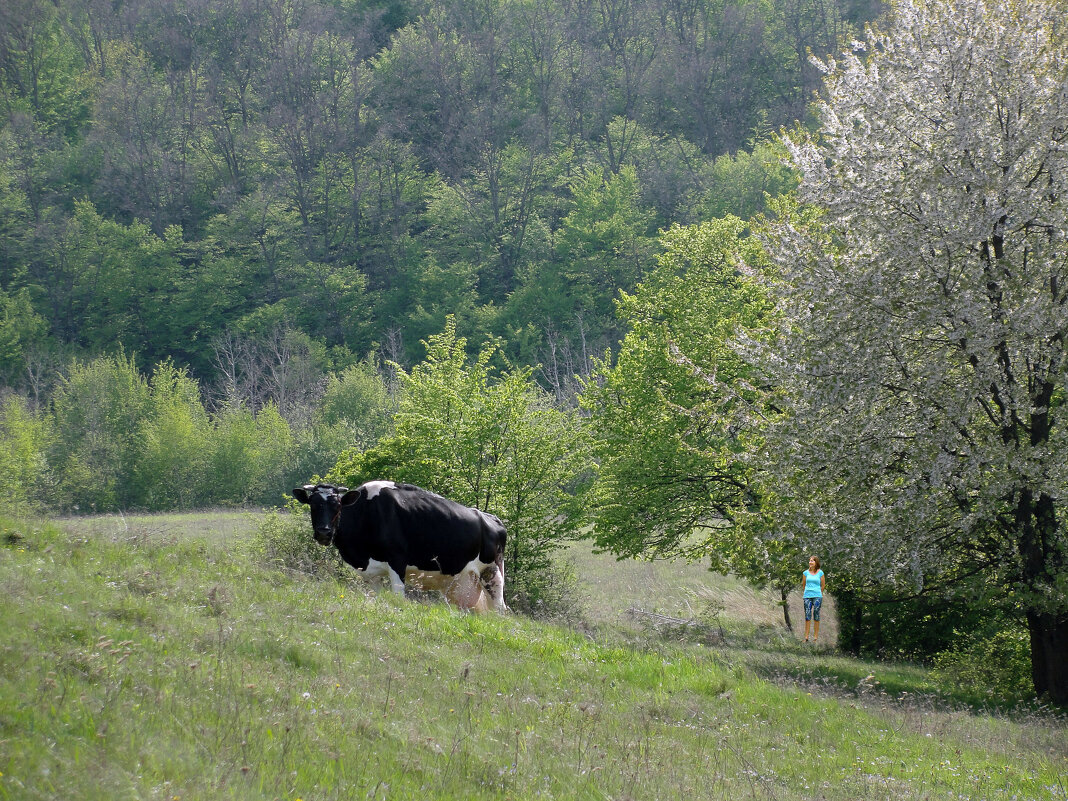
(995, 667)
(249, 456)
(358, 400)
(284, 539)
(24, 475)
(551, 594)
(170, 471)
(98, 409)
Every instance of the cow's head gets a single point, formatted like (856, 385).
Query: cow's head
(326, 502)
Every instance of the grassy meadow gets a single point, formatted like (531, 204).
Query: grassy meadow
(163, 658)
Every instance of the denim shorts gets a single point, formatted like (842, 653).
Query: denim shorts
(812, 608)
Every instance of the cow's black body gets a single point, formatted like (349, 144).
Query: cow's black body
(400, 530)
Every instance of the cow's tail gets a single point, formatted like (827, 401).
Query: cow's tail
(493, 554)
(493, 582)
(499, 561)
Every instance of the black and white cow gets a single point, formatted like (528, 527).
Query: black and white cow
(413, 536)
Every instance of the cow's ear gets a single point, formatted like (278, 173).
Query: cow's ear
(302, 494)
(350, 497)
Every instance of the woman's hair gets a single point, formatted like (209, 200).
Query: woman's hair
(817, 561)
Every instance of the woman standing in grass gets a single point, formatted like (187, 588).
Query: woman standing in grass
(815, 585)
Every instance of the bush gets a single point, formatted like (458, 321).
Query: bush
(97, 412)
(995, 667)
(551, 594)
(284, 539)
(24, 476)
(250, 456)
(358, 400)
(913, 629)
(170, 467)
(314, 449)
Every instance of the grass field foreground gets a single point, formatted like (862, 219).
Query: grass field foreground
(162, 659)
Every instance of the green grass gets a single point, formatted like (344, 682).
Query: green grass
(160, 658)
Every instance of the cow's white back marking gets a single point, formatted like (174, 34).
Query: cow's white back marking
(375, 487)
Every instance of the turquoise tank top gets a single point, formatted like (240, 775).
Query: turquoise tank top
(812, 584)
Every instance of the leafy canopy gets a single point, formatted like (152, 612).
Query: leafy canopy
(674, 417)
(928, 310)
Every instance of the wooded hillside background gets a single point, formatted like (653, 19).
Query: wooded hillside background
(232, 183)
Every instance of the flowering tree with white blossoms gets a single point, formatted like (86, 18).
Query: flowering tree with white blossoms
(926, 450)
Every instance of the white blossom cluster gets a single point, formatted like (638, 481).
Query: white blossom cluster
(927, 305)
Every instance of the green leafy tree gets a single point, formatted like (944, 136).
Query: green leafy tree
(496, 443)
(605, 242)
(21, 327)
(490, 220)
(249, 457)
(740, 182)
(171, 463)
(356, 411)
(358, 399)
(42, 72)
(674, 418)
(435, 291)
(925, 351)
(151, 152)
(330, 303)
(97, 411)
(15, 215)
(108, 283)
(25, 478)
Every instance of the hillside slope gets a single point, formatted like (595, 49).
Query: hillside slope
(162, 659)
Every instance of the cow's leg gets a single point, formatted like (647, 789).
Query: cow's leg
(376, 569)
(493, 580)
(396, 578)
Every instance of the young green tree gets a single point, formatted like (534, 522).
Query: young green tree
(740, 183)
(97, 411)
(41, 71)
(674, 417)
(494, 442)
(20, 329)
(249, 456)
(605, 242)
(25, 479)
(928, 315)
(358, 399)
(106, 283)
(170, 469)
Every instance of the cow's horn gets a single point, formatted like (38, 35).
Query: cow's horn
(342, 489)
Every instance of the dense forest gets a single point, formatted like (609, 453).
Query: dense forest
(227, 228)
(218, 182)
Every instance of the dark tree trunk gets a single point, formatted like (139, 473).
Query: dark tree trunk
(1043, 562)
(785, 609)
(1049, 656)
(858, 628)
